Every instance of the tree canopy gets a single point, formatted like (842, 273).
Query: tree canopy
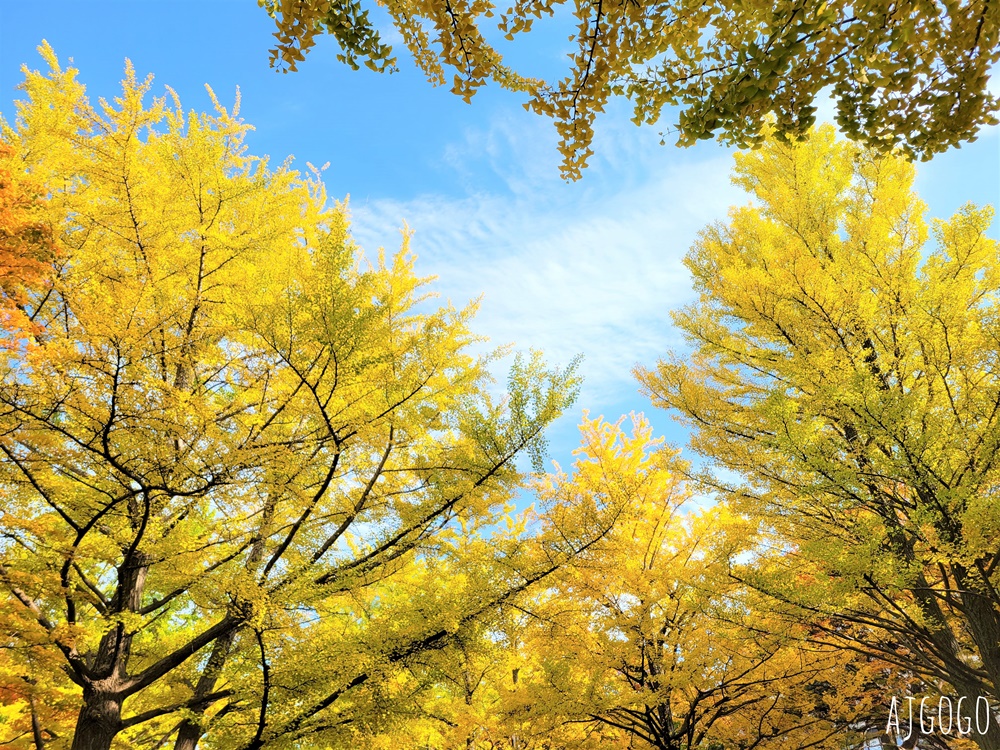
(646, 640)
(260, 490)
(911, 76)
(246, 472)
(845, 373)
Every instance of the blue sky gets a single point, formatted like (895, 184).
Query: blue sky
(591, 267)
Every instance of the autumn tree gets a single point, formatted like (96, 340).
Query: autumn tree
(646, 637)
(843, 374)
(477, 693)
(27, 255)
(240, 459)
(907, 75)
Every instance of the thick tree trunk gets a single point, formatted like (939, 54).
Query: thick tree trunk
(100, 720)
(101, 714)
(984, 624)
(990, 740)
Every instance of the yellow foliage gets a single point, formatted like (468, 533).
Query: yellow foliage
(237, 446)
(846, 374)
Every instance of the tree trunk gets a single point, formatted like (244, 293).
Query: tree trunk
(991, 739)
(101, 714)
(983, 622)
(988, 740)
(36, 726)
(100, 720)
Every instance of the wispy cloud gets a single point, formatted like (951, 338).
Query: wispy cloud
(591, 268)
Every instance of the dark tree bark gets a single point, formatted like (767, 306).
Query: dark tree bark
(100, 720)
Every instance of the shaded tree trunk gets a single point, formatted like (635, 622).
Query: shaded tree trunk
(101, 714)
(190, 732)
(100, 720)
(36, 726)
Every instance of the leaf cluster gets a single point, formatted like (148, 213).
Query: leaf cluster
(905, 76)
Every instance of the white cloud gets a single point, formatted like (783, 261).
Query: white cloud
(590, 268)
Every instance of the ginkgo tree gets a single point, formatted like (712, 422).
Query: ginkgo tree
(28, 253)
(912, 75)
(239, 461)
(844, 373)
(646, 639)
